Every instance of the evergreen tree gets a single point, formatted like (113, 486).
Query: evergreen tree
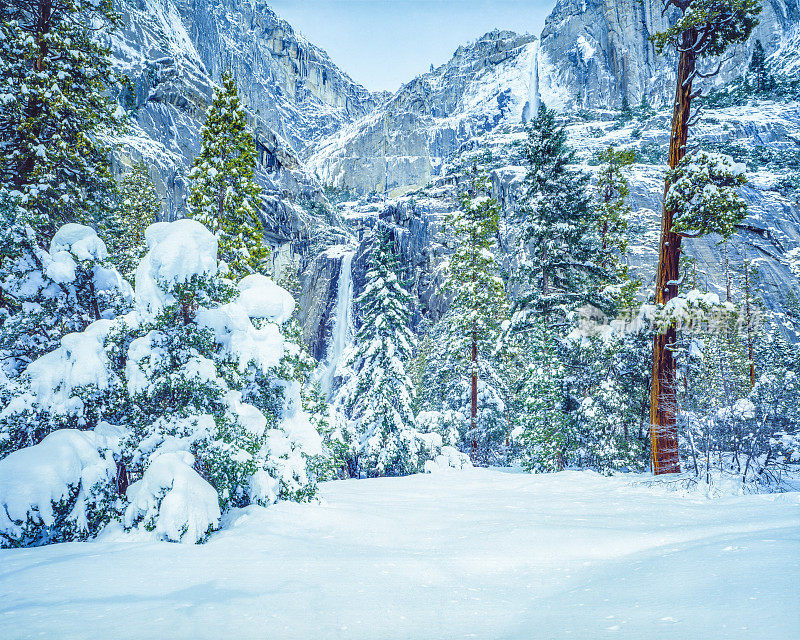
(613, 210)
(50, 293)
(645, 109)
(385, 440)
(138, 207)
(543, 425)
(224, 195)
(469, 331)
(54, 77)
(560, 236)
(703, 29)
(56, 294)
(758, 68)
(193, 401)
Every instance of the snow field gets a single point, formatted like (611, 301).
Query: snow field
(467, 554)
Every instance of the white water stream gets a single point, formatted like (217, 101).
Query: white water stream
(343, 327)
(533, 84)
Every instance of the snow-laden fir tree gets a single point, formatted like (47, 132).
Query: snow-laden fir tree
(465, 373)
(196, 407)
(54, 81)
(612, 209)
(574, 251)
(757, 69)
(606, 381)
(385, 441)
(51, 296)
(138, 206)
(542, 426)
(224, 194)
(560, 239)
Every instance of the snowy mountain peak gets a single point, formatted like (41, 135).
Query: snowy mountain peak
(407, 139)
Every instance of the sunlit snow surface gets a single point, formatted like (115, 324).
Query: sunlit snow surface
(469, 554)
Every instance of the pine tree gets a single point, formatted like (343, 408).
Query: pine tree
(54, 77)
(560, 237)
(543, 424)
(645, 109)
(48, 294)
(193, 401)
(386, 442)
(56, 295)
(138, 207)
(466, 371)
(613, 209)
(704, 29)
(758, 68)
(224, 195)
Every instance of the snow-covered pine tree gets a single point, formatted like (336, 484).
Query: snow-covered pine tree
(560, 239)
(612, 210)
(54, 76)
(758, 68)
(612, 206)
(702, 29)
(465, 371)
(645, 111)
(48, 389)
(224, 194)
(138, 206)
(543, 426)
(385, 440)
(209, 371)
(48, 294)
(182, 409)
(576, 400)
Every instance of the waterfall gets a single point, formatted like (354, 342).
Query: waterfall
(532, 105)
(342, 330)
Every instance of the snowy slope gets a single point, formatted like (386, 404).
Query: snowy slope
(477, 554)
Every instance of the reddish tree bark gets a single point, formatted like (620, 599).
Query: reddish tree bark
(474, 394)
(663, 390)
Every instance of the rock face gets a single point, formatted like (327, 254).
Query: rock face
(172, 51)
(594, 52)
(314, 125)
(407, 139)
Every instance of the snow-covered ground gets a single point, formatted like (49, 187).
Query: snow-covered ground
(469, 554)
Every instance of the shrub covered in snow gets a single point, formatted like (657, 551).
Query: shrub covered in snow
(58, 490)
(48, 294)
(200, 379)
(52, 334)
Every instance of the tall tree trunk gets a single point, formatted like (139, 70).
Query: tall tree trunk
(749, 320)
(474, 394)
(663, 392)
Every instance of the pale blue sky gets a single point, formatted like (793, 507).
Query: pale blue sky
(385, 43)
